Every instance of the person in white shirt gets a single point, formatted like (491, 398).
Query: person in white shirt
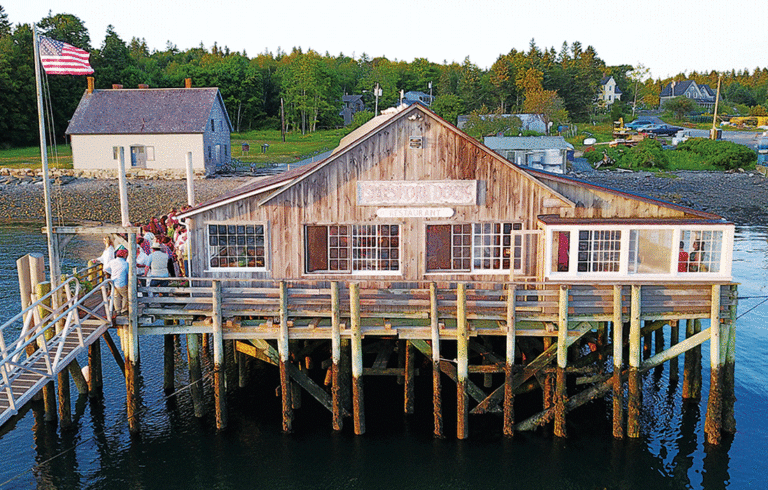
(117, 269)
(109, 251)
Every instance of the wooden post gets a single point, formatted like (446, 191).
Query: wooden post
(169, 369)
(674, 338)
(284, 351)
(659, 340)
(132, 341)
(195, 373)
(437, 399)
(729, 382)
(357, 359)
(714, 420)
(462, 363)
(338, 423)
(562, 362)
(242, 369)
(95, 379)
(647, 339)
(190, 181)
(65, 405)
(410, 368)
(219, 383)
(123, 185)
(49, 390)
(618, 361)
(634, 406)
(509, 396)
(692, 365)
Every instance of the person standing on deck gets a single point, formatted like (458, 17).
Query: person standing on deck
(158, 266)
(117, 269)
(109, 251)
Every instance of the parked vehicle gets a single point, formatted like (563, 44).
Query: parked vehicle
(680, 136)
(661, 129)
(639, 123)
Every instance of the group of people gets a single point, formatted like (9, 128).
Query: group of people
(693, 261)
(161, 253)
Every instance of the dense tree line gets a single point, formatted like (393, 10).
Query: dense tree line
(562, 84)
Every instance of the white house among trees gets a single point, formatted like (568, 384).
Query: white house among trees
(156, 127)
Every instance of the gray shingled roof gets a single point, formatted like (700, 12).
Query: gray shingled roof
(527, 143)
(132, 111)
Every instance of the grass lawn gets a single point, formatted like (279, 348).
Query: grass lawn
(29, 157)
(296, 147)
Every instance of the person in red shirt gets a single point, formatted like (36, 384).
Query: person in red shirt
(682, 259)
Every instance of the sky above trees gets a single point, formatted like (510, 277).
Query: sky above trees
(667, 37)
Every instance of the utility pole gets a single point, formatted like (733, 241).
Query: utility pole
(376, 92)
(713, 131)
(282, 119)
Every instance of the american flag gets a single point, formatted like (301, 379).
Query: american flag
(63, 59)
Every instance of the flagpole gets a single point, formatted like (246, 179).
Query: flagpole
(53, 248)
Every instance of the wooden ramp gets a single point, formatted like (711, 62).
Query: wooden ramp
(50, 338)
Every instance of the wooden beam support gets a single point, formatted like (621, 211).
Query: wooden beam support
(219, 381)
(634, 403)
(95, 374)
(713, 423)
(437, 399)
(462, 363)
(195, 373)
(410, 379)
(358, 404)
(284, 352)
(336, 402)
(562, 362)
(729, 381)
(674, 338)
(618, 361)
(509, 394)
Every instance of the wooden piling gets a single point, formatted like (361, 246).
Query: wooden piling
(131, 341)
(509, 396)
(219, 382)
(437, 399)
(713, 422)
(95, 378)
(729, 382)
(195, 373)
(242, 370)
(618, 360)
(65, 404)
(338, 423)
(674, 338)
(647, 339)
(169, 359)
(462, 363)
(409, 385)
(562, 362)
(357, 359)
(692, 365)
(49, 390)
(284, 351)
(658, 338)
(634, 404)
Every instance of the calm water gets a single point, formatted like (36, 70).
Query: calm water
(175, 450)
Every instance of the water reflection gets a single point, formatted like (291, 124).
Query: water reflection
(177, 450)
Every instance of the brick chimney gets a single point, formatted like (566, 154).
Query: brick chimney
(143, 86)
(116, 86)
(91, 84)
(187, 83)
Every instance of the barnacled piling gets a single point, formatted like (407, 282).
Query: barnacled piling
(195, 373)
(634, 404)
(462, 364)
(358, 408)
(618, 360)
(437, 401)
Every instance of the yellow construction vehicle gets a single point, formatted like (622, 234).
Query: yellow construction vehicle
(748, 121)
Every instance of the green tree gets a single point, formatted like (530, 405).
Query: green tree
(680, 106)
(449, 107)
(636, 77)
(112, 62)
(5, 24)
(481, 123)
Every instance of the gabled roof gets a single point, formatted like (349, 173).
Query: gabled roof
(280, 183)
(136, 111)
(351, 98)
(679, 88)
(527, 143)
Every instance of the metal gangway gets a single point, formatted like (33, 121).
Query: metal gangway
(55, 330)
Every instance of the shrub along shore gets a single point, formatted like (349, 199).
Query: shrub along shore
(739, 197)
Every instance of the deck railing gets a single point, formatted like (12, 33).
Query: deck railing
(538, 302)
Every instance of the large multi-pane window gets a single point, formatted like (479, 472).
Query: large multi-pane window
(236, 245)
(599, 251)
(353, 248)
(700, 251)
(650, 251)
(474, 247)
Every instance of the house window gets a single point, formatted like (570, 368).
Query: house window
(236, 246)
(115, 152)
(561, 250)
(599, 251)
(650, 251)
(474, 247)
(210, 153)
(352, 248)
(700, 251)
(150, 150)
(213, 126)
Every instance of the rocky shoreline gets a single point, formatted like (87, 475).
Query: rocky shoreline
(738, 197)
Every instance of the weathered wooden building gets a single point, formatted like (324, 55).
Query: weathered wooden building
(408, 197)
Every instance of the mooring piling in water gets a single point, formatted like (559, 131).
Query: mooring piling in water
(358, 406)
(618, 361)
(337, 420)
(562, 362)
(219, 382)
(462, 363)
(283, 348)
(729, 381)
(634, 404)
(195, 373)
(674, 338)
(713, 423)
(437, 398)
(509, 394)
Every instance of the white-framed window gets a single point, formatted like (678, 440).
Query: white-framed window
(654, 251)
(236, 246)
(352, 248)
(150, 150)
(115, 153)
(474, 247)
